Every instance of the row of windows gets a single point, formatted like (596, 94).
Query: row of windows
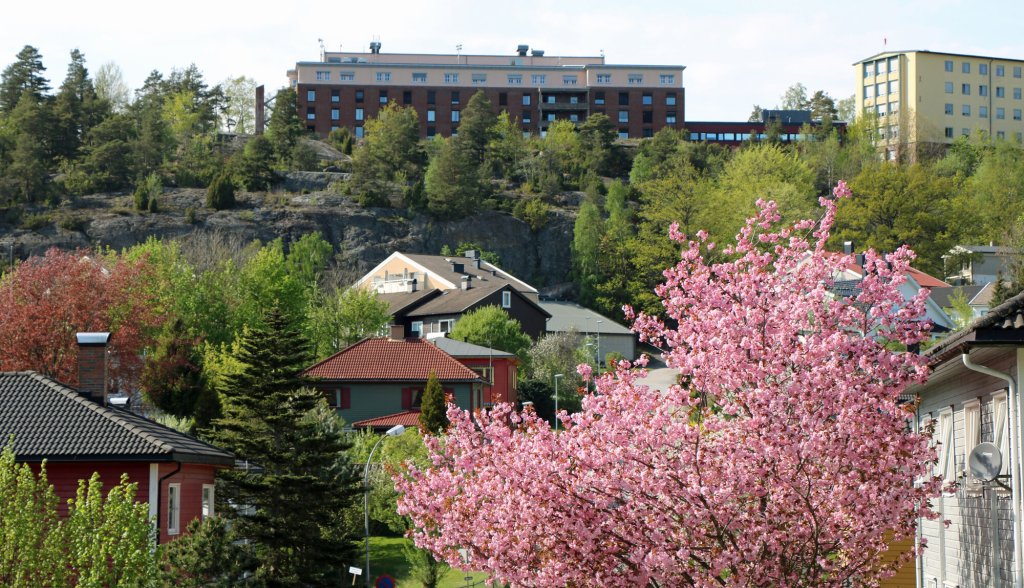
(881, 89)
(647, 116)
(965, 110)
(481, 78)
(965, 89)
(965, 67)
(881, 67)
(966, 132)
(646, 99)
(785, 137)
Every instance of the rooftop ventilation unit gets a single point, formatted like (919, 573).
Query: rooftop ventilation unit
(537, 53)
(522, 49)
(375, 47)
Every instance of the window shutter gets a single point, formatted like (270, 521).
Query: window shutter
(999, 437)
(346, 398)
(972, 433)
(406, 398)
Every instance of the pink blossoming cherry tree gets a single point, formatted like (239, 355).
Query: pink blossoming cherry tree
(782, 458)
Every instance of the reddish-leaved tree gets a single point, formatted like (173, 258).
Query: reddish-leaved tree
(45, 300)
(782, 459)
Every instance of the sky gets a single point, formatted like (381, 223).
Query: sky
(736, 54)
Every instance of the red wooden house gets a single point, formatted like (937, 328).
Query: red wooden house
(498, 369)
(76, 433)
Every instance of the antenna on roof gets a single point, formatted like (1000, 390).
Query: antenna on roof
(323, 49)
(458, 53)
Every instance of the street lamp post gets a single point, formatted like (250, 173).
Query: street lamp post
(556, 400)
(599, 321)
(392, 432)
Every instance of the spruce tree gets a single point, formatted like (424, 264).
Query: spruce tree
(290, 498)
(23, 76)
(433, 408)
(285, 127)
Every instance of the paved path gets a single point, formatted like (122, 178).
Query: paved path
(660, 378)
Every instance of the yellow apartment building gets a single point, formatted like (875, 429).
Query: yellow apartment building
(924, 100)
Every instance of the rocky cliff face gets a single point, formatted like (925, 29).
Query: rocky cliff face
(362, 237)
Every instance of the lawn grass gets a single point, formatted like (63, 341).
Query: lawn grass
(387, 556)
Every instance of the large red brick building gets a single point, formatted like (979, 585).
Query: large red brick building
(346, 89)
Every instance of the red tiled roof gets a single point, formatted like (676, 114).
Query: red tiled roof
(381, 358)
(408, 418)
(924, 280)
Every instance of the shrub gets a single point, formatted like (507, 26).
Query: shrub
(190, 215)
(35, 222)
(221, 193)
(147, 191)
(532, 211)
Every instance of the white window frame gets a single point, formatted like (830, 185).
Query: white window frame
(419, 77)
(442, 323)
(173, 509)
(209, 500)
(417, 328)
(383, 76)
(506, 299)
(1000, 425)
(944, 435)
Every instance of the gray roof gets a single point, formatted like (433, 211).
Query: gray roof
(1003, 325)
(54, 422)
(482, 277)
(401, 301)
(942, 296)
(463, 349)
(568, 315)
(458, 301)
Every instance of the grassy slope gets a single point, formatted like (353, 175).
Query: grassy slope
(387, 556)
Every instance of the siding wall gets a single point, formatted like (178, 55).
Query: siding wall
(976, 549)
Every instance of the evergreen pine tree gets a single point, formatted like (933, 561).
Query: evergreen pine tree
(298, 482)
(433, 408)
(24, 75)
(285, 127)
(220, 195)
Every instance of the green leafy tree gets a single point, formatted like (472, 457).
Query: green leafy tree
(542, 395)
(111, 88)
(390, 151)
(148, 191)
(492, 327)
(239, 112)
(533, 211)
(302, 482)
(24, 76)
(433, 407)
(423, 568)
(587, 233)
(337, 319)
(285, 126)
(559, 353)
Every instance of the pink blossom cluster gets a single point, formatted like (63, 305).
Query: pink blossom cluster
(782, 458)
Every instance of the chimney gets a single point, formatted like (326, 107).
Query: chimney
(467, 282)
(410, 285)
(848, 247)
(92, 365)
(397, 333)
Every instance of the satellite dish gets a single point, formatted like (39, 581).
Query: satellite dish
(985, 462)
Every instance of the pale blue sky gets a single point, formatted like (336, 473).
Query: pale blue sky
(736, 53)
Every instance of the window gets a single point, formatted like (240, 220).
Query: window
(451, 78)
(574, 117)
(983, 111)
(648, 117)
(880, 89)
(604, 78)
(323, 76)
(983, 69)
(335, 114)
(486, 373)
(949, 132)
(455, 97)
(966, 110)
(623, 134)
(1000, 71)
(868, 70)
(999, 436)
(880, 110)
(946, 466)
(599, 98)
(310, 95)
(879, 67)
(550, 99)
(503, 99)
(515, 79)
(445, 325)
(407, 97)
(416, 328)
(893, 64)
(551, 117)
(360, 132)
(527, 117)
(949, 108)
(526, 99)
(383, 99)
(965, 89)
(949, 87)
(431, 97)
(1016, 71)
(538, 79)
(506, 299)
(1000, 92)
(359, 95)
(982, 90)
(431, 131)
(479, 78)
(894, 87)
(455, 116)
(623, 98)
(1000, 113)
(208, 504)
(670, 118)
(647, 100)
(635, 79)
(869, 92)
(335, 96)
(1000, 135)
(667, 79)
(1016, 114)
(431, 115)
(383, 76)
(965, 67)
(1016, 93)
(347, 76)
(419, 77)
(623, 116)
(173, 509)
(310, 113)
(359, 114)
(670, 99)
(965, 132)
(568, 80)
(574, 99)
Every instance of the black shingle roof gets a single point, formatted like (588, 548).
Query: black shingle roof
(54, 422)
